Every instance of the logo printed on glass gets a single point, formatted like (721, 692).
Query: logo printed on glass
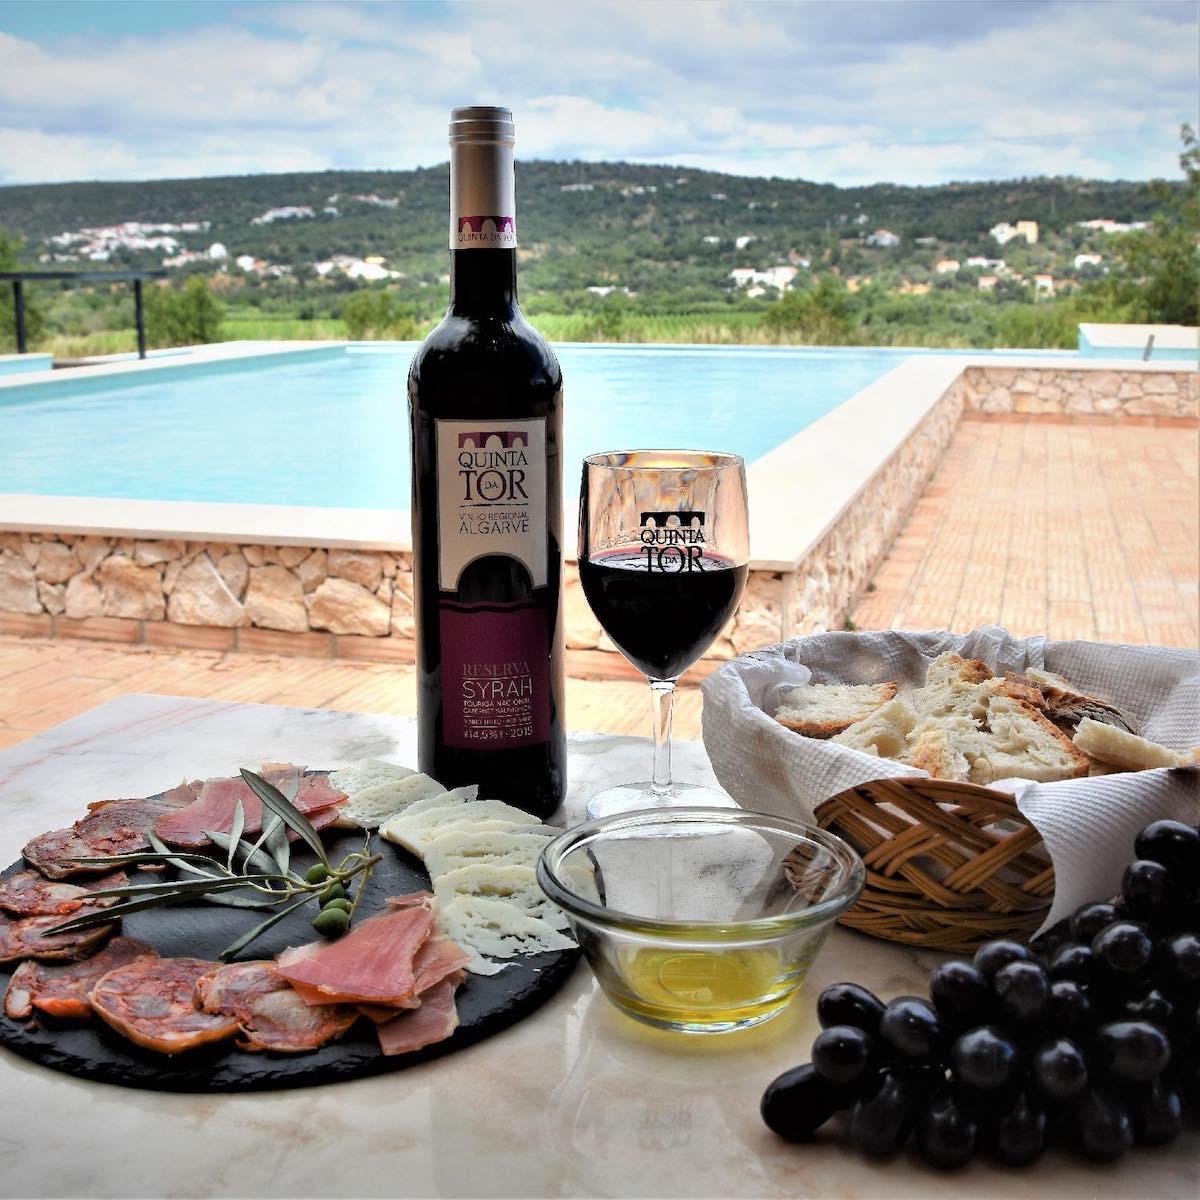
(673, 541)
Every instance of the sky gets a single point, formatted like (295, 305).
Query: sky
(849, 92)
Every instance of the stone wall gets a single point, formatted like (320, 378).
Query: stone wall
(358, 604)
(1161, 392)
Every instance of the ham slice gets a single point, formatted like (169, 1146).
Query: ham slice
(150, 1001)
(214, 807)
(29, 894)
(63, 991)
(372, 964)
(27, 937)
(272, 1016)
(434, 1021)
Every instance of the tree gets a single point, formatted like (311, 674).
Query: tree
(35, 319)
(1159, 275)
(371, 314)
(188, 317)
(820, 315)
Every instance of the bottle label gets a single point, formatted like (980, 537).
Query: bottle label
(495, 674)
(491, 495)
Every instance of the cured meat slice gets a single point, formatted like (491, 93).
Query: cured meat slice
(214, 807)
(372, 964)
(63, 991)
(434, 1021)
(151, 1002)
(51, 854)
(111, 827)
(26, 937)
(29, 894)
(271, 1014)
(120, 826)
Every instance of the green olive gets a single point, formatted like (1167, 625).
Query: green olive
(341, 903)
(331, 922)
(316, 873)
(334, 891)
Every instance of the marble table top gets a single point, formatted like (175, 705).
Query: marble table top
(577, 1100)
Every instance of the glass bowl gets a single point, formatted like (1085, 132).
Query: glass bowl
(700, 919)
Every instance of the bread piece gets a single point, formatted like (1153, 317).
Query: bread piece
(934, 748)
(819, 710)
(1016, 741)
(1066, 706)
(955, 687)
(1107, 744)
(884, 733)
(953, 668)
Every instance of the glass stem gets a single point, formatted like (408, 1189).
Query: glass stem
(662, 695)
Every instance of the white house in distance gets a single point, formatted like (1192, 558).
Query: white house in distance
(946, 266)
(1087, 260)
(883, 237)
(987, 283)
(987, 264)
(1003, 232)
(1108, 225)
(1044, 284)
(776, 277)
(742, 242)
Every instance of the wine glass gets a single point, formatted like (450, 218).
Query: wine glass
(663, 550)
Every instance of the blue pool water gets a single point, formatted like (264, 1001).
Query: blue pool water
(329, 427)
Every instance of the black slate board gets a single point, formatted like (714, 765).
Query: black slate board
(91, 1050)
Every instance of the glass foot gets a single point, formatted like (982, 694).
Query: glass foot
(627, 797)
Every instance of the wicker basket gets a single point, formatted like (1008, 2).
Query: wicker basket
(949, 865)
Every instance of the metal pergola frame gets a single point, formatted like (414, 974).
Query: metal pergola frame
(19, 278)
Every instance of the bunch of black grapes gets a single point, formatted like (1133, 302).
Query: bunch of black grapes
(1092, 1041)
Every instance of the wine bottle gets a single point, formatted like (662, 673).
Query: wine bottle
(485, 402)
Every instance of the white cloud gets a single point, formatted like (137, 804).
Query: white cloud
(850, 93)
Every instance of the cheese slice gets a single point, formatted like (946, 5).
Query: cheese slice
(413, 830)
(515, 885)
(496, 929)
(454, 847)
(365, 774)
(371, 806)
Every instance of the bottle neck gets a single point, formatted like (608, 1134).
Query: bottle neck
(483, 282)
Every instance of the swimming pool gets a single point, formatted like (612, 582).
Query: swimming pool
(328, 427)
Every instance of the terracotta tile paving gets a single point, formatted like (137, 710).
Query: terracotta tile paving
(44, 682)
(1074, 531)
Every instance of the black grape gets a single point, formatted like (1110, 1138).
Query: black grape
(945, 1133)
(1070, 1007)
(1091, 918)
(1146, 889)
(842, 1055)
(799, 1102)
(1181, 960)
(910, 1026)
(1102, 1126)
(1022, 993)
(1172, 843)
(991, 956)
(961, 995)
(1018, 1135)
(1124, 947)
(1073, 960)
(1156, 1114)
(1060, 1069)
(984, 1058)
(879, 1124)
(850, 1004)
(1152, 1006)
(1131, 1051)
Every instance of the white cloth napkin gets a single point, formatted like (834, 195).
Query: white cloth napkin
(1088, 825)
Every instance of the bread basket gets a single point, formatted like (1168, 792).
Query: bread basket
(949, 865)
